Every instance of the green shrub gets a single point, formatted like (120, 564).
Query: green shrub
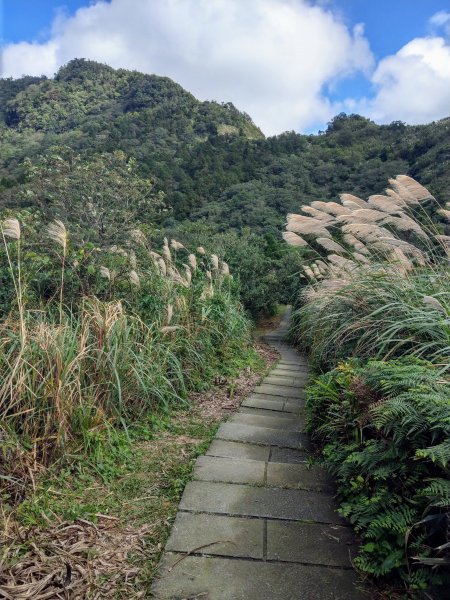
(125, 334)
(384, 432)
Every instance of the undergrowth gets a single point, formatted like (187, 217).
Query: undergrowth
(374, 316)
(384, 431)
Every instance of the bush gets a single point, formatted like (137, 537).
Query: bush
(384, 432)
(73, 367)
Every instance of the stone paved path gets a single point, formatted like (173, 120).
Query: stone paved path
(257, 522)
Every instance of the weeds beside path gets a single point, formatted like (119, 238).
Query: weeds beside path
(85, 537)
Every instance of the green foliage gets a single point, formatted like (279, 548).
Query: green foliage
(112, 337)
(207, 161)
(378, 312)
(384, 431)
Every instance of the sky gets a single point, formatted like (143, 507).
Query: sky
(290, 64)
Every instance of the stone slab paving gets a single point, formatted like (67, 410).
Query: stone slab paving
(285, 391)
(250, 410)
(262, 435)
(220, 578)
(258, 522)
(252, 501)
(287, 423)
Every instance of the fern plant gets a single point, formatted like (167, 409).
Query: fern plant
(384, 432)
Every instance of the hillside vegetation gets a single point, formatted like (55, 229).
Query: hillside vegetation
(139, 230)
(211, 168)
(374, 317)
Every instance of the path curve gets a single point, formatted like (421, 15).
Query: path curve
(257, 522)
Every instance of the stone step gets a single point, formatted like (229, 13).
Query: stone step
(262, 435)
(286, 424)
(249, 410)
(250, 501)
(295, 369)
(273, 397)
(288, 455)
(294, 382)
(330, 545)
(219, 578)
(298, 476)
(241, 450)
(286, 541)
(261, 402)
(218, 535)
(230, 470)
(299, 375)
(280, 390)
(293, 407)
(253, 452)
(259, 522)
(254, 472)
(293, 364)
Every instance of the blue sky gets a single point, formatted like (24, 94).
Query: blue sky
(310, 52)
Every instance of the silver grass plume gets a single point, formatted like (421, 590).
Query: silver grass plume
(350, 205)
(57, 232)
(330, 245)
(385, 204)
(363, 215)
(169, 314)
(166, 253)
(201, 250)
(351, 240)
(188, 274)
(317, 214)
(444, 213)
(293, 239)
(306, 226)
(215, 261)
(316, 271)
(138, 236)
(342, 263)
(176, 245)
(444, 239)
(396, 198)
(105, 272)
(134, 278)
(361, 258)
(405, 223)
(309, 272)
(434, 304)
(354, 199)
(133, 259)
(322, 266)
(225, 269)
(414, 188)
(332, 208)
(404, 193)
(162, 266)
(11, 229)
(192, 259)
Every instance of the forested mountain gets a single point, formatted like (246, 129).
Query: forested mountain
(94, 145)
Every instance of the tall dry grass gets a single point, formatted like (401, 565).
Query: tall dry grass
(383, 288)
(71, 370)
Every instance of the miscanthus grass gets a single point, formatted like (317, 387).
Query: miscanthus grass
(383, 290)
(74, 368)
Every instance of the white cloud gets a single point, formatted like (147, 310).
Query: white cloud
(271, 58)
(412, 85)
(441, 20)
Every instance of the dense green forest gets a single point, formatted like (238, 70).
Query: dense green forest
(98, 147)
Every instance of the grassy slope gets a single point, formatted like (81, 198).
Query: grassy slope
(122, 510)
